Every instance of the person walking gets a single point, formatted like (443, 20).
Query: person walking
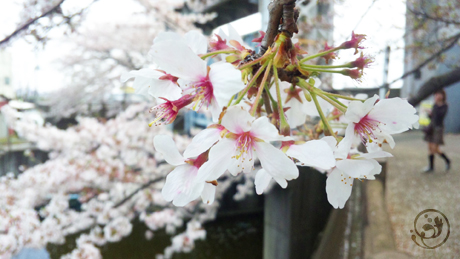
(434, 132)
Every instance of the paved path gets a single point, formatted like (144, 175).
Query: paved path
(408, 192)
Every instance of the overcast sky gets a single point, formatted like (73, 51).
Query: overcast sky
(381, 20)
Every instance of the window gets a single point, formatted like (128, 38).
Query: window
(7, 80)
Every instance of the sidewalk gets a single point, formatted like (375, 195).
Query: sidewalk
(408, 192)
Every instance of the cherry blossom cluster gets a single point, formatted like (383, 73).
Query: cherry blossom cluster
(259, 103)
(113, 168)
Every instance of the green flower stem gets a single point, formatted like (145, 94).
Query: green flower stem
(342, 97)
(303, 84)
(336, 103)
(253, 80)
(269, 94)
(231, 99)
(348, 65)
(261, 89)
(218, 52)
(319, 54)
(284, 125)
(321, 114)
(322, 70)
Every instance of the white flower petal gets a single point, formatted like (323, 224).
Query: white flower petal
(356, 167)
(196, 41)
(202, 142)
(177, 59)
(165, 145)
(396, 114)
(166, 89)
(226, 82)
(337, 191)
(295, 115)
(330, 140)
(208, 194)
(262, 180)
(276, 163)
(377, 169)
(357, 109)
(233, 34)
(215, 110)
(244, 163)
(180, 185)
(167, 35)
(220, 157)
(237, 120)
(344, 146)
(144, 72)
(375, 154)
(263, 129)
(315, 153)
(281, 181)
(143, 79)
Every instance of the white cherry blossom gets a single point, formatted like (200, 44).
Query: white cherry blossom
(180, 186)
(247, 139)
(375, 119)
(212, 86)
(350, 165)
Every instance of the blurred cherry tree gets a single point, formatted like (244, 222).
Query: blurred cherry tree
(432, 31)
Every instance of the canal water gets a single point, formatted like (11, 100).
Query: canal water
(239, 236)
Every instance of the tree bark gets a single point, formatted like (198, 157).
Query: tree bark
(275, 9)
(434, 84)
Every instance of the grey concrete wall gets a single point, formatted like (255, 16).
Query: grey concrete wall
(294, 216)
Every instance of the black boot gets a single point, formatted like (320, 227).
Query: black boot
(447, 161)
(429, 168)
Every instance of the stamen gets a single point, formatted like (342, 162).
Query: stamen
(365, 129)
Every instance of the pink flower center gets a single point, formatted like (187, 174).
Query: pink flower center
(167, 112)
(365, 128)
(204, 91)
(244, 146)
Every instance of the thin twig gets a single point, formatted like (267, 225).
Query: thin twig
(145, 185)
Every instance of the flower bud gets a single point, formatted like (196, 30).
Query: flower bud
(354, 43)
(362, 62)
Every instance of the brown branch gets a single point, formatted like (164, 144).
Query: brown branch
(32, 21)
(434, 84)
(454, 39)
(145, 185)
(275, 11)
(433, 18)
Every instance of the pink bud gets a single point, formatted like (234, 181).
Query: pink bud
(168, 77)
(259, 40)
(354, 42)
(218, 44)
(353, 73)
(362, 62)
(328, 56)
(167, 112)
